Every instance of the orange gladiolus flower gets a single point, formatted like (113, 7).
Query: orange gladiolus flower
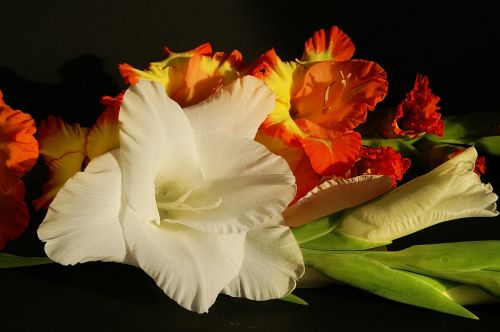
(192, 76)
(320, 100)
(18, 154)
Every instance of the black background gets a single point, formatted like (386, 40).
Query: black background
(60, 57)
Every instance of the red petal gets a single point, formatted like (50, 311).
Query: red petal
(417, 113)
(381, 161)
(13, 213)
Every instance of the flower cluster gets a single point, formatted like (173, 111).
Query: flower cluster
(215, 176)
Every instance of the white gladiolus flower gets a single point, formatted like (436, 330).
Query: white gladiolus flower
(450, 191)
(189, 197)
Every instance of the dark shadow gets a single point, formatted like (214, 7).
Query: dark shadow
(76, 97)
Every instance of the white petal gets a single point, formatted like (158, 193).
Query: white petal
(191, 267)
(254, 185)
(335, 195)
(82, 222)
(238, 108)
(271, 266)
(156, 143)
(451, 191)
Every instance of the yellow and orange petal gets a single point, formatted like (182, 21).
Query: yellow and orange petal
(333, 45)
(18, 146)
(104, 134)
(14, 215)
(338, 95)
(418, 112)
(63, 148)
(190, 77)
(281, 78)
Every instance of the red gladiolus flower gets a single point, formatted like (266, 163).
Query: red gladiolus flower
(381, 161)
(417, 113)
(18, 154)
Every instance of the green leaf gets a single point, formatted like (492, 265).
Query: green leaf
(336, 240)
(292, 298)
(475, 263)
(489, 144)
(372, 276)
(9, 261)
(315, 229)
(454, 256)
(470, 125)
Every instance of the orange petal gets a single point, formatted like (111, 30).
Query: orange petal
(333, 44)
(159, 71)
(338, 95)
(63, 148)
(330, 153)
(18, 146)
(13, 213)
(103, 136)
(190, 77)
(202, 75)
(203, 49)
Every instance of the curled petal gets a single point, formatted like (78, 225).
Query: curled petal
(381, 161)
(338, 95)
(191, 267)
(450, 191)
(149, 119)
(238, 108)
(335, 195)
(18, 146)
(333, 44)
(417, 113)
(13, 213)
(271, 266)
(253, 189)
(82, 223)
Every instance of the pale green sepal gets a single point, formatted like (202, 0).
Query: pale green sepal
(336, 240)
(292, 298)
(9, 261)
(372, 276)
(315, 229)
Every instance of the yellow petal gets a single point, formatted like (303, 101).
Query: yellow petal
(103, 136)
(63, 148)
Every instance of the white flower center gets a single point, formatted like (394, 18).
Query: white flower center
(175, 198)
